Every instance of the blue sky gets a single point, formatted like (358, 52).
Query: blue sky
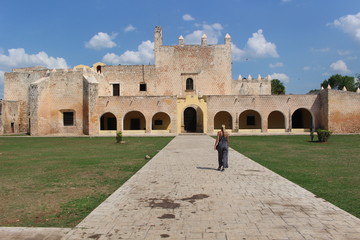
(300, 42)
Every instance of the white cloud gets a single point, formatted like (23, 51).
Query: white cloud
(188, 17)
(340, 66)
(259, 47)
(343, 52)
(212, 31)
(256, 47)
(275, 65)
(19, 58)
(281, 76)
(307, 68)
(237, 53)
(144, 55)
(350, 24)
(130, 28)
(100, 41)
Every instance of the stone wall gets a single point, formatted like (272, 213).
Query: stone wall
(251, 87)
(13, 117)
(50, 97)
(129, 78)
(16, 83)
(208, 65)
(343, 111)
(1, 117)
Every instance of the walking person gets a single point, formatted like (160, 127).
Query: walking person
(222, 146)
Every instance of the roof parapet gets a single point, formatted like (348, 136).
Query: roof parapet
(181, 40)
(204, 40)
(227, 39)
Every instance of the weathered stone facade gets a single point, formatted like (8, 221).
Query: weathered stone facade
(188, 89)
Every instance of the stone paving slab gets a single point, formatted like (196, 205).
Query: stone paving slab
(179, 194)
(23, 233)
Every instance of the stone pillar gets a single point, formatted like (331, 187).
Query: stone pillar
(90, 115)
(204, 40)
(158, 37)
(181, 41)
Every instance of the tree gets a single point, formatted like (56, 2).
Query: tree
(277, 87)
(357, 80)
(314, 91)
(338, 82)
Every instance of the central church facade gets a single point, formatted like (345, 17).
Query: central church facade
(188, 89)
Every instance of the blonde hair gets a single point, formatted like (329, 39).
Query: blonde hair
(223, 129)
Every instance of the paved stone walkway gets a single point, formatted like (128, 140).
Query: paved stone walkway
(179, 194)
(23, 233)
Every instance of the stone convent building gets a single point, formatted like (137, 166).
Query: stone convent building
(188, 89)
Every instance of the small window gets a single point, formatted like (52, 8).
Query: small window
(189, 84)
(250, 120)
(116, 89)
(98, 69)
(158, 122)
(68, 118)
(142, 86)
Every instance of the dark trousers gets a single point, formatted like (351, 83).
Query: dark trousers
(223, 157)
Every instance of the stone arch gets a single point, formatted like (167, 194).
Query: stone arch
(250, 120)
(192, 119)
(161, 121)
(302, 118)
(134, 120)
(98, 68)
(276, 120)
(108, 121)
(223, 117)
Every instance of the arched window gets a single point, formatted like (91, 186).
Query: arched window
(98, 69)
(189, 84)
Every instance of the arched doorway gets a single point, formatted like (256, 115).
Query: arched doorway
(302, 119)
(276, 121)
(134, 120)
(190, 119)
(250, 120)
(161, 121)
(108, 121)
(221, 118)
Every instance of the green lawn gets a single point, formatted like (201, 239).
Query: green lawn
(58, 181)
(330, 170)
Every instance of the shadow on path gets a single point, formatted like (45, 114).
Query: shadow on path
(207, 168)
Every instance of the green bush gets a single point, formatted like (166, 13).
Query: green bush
(312, 135)
(118, 136)
(323, 135)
